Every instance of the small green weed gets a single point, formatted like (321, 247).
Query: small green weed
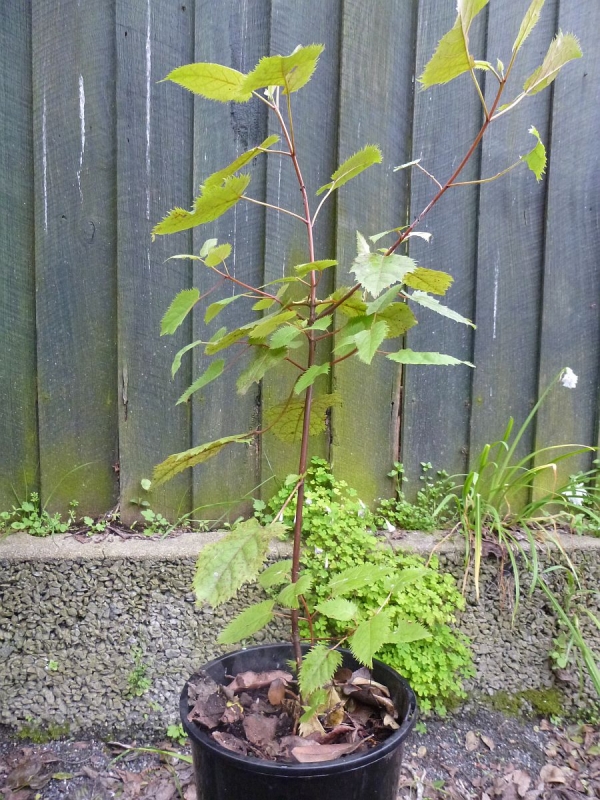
(427, 513)
(31, 517)
(52, 665)
(155, 523)
(138, 680)
(177, 734)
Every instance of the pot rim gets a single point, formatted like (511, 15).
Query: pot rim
(343, 764)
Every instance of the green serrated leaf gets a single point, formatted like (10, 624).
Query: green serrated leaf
(207, 247)
(224, 566)
(264, 360)
(563, 48)
(362, 246)
(367, 342)
(338, 608)
(314, 704)
(536, 158)
(247, 623)
(369, 637)
(286, 418)
(277, 574)
(179, 355)
(407, 631)
(210, 205)
(180, 307)
(423, 299)
(408, 356)
(318, 266)
(223, 341)
(292, 72)
(213, 81)
(353, 166)
(352, 307)
(375, 271)
(284, 336)
(318, 668)
(383, 301)
(217, 178)
(429, 280)
(217, 255)
(530, 20)
(452, 57)
(215, 308)
(288, 596)
(354, 578)
(399, 318)
(263, 304)
(320, 325)
(176, 463)
(209, 375)
(398, 581)
(310, 376)
(267, 325)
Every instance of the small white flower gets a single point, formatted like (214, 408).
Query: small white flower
(389, 527)
(569, 379)
(576, 495)
(327, 509)
(318, 551)
(361, 513)
(308, 502)
(326, 562)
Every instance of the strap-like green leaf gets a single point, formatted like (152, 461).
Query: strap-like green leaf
(310, 376)
(180, 307)
(292, 72)
(529, 22)
(217, 178)
(247, 623)
(214, 309)
(429, 280)
(426, 301)
(452, 56)
(433, 359)
(264, 360)
(536, 158)
(369, 637)
(286, 419)
(407, 631)
(288, 596)
(563, 48)
(178, 356)
(224, 566)
(318, 668)
(352, 167)
(211, 204)
(353, 578)
(375, 271)
(319, 266)
(217, 255)
(176, 463)
(210, 374)
(339, 608)
(368, 341)
(213, 81)
(277, 574)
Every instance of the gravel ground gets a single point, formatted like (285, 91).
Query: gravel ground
(474, 755)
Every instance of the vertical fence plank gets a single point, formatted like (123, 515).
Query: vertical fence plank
(315, 125)
(154, 126)
(510, 242)
(236, 35)
(570, 331)
(447, 118)
(375, 107)
(73, 94)
(18, 421)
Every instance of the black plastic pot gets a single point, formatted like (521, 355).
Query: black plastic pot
(224, 775)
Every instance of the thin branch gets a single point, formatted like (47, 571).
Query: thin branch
(227, 276)
(480, 93)
(270, 150)
(343, 358)
(320, 206)
(429, 175)
(275, 208)
(490, 179)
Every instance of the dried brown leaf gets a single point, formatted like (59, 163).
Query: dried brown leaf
(230, 742)
(276, 692)
(471, 741)
(322, 752)
(258, 680)
(488, 742)
(260, 730)
(550, 773)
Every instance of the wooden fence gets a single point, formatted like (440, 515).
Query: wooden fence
(94, 151)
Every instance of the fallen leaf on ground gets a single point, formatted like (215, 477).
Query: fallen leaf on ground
(471, 741)
(260, 730)
(552, 774)
(488, 742)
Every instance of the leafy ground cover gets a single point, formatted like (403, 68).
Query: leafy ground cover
(479, 754)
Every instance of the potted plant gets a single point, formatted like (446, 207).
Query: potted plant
(358, 320)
